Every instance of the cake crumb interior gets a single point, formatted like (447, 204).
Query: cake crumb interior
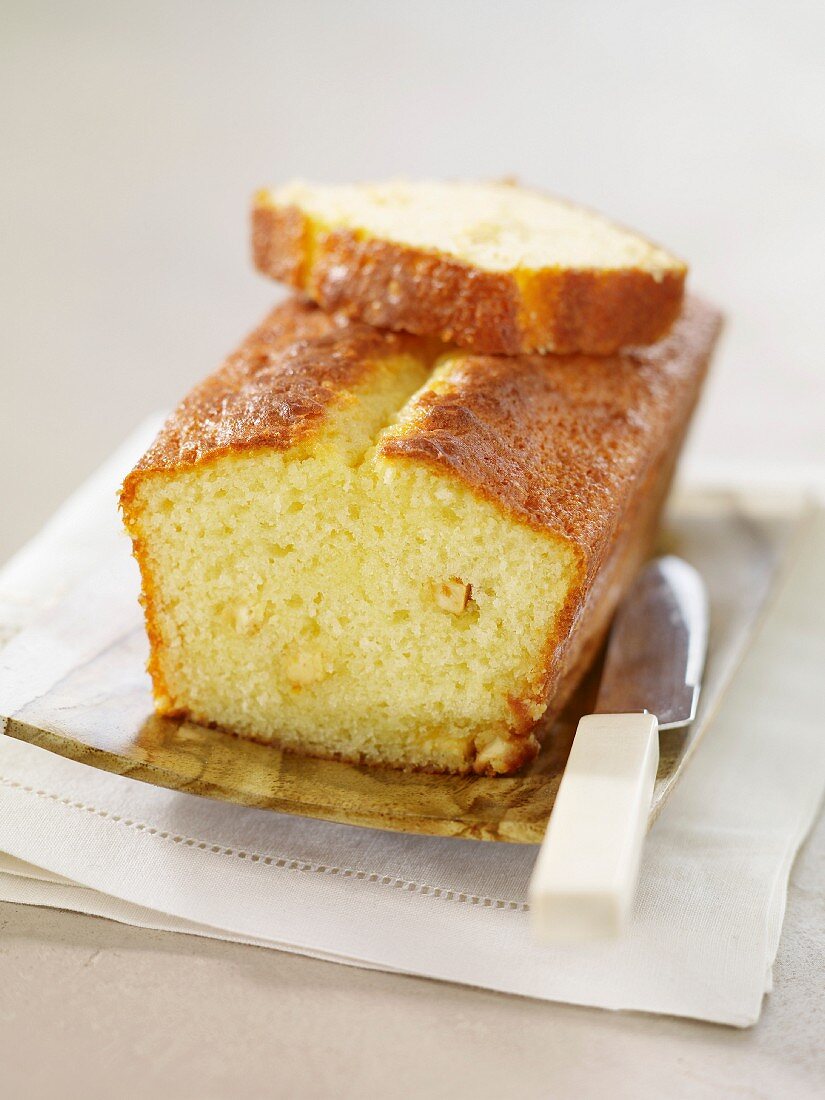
(492, 226)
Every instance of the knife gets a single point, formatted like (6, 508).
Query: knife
(585, 878)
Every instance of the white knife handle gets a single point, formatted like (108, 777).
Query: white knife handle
(584, 881)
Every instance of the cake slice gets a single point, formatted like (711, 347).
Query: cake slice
(492, 267)
(363, 545)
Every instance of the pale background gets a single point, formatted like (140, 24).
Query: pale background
(133, 135)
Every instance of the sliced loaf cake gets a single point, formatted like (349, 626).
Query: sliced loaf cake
(367, 546)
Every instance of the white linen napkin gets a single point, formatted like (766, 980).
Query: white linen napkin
(711, 901)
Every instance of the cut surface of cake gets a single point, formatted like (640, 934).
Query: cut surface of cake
(368, 546)
(493, 267)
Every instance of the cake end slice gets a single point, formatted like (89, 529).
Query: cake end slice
(492, 267)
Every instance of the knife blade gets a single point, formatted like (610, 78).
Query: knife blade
(587, 870)
(657, 646)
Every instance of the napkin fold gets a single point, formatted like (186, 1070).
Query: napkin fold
(709, 912)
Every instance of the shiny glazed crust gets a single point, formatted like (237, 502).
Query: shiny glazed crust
(274, 390)
(577, 447)
(496, 313)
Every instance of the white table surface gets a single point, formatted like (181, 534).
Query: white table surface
(132, 136)
(95, 1009)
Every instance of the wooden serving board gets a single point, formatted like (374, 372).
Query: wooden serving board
(80, 690)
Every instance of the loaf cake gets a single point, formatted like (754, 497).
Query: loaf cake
(493, 267)
(366, 545)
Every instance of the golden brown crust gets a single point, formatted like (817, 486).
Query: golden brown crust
(275, 389)
(566, 661)
(151, 604)
(281, 245)
(494, 313)
(597, 312)
(560, 441)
